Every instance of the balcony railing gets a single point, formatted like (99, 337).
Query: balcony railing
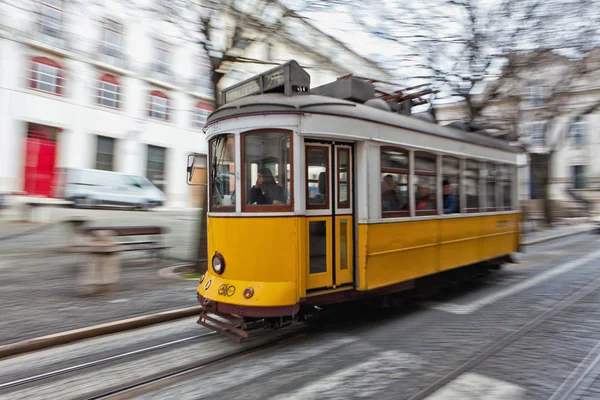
(202, 86)
(50, 33)
(112, 56)
(162, 72)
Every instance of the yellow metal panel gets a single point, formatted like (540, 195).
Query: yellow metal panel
(256, 249)
(401, 251)
(343, 276)
(265, 293)
(460, 242)
(362, 259)
(322, 279)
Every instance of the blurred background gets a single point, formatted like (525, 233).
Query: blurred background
(102, 101)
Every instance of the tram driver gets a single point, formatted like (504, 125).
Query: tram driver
(266, 190)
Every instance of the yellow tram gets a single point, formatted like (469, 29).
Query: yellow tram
(324, 195)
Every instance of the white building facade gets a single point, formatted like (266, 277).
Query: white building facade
(102, 86)
(546, 102)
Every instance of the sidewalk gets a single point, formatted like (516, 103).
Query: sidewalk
(38, 295)
(557, 232)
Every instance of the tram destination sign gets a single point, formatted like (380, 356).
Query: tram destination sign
(289, 79)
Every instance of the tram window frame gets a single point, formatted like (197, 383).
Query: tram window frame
(339, 170)
(434, 174)
(326, 204)
(399, 171)
(477, 185)
(213, 207)
(454, 179)
(267, 208)
(490, 169)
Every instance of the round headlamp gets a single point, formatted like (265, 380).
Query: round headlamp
(218, 263)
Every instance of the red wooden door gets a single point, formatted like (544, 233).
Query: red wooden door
(40, 159)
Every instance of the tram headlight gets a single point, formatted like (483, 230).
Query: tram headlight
(218, 263)
(249, 292)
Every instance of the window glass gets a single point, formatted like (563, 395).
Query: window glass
(505, 186)
(472, 185)
(343, 177)
(317, 161)
(222, 173)
(159, 107)
(109, 95)
(46, 78)
(490, 192)
(450, 185)
(267, 169)
(425, 183)
(394, 182)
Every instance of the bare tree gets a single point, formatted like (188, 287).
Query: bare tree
(536, 102)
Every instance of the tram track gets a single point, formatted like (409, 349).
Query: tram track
(592, 367)
(205, 365)
(103, 361)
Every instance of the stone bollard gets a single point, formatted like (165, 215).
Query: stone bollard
(102, 271)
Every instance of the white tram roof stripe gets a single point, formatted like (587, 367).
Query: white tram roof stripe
(279, 103)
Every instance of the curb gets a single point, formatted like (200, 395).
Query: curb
(75, 335)
(561, 235)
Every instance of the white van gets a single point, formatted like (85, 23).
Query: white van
(88, 187)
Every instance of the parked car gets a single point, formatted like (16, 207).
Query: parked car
(90, 187)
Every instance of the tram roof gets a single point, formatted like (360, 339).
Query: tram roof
(311, 103)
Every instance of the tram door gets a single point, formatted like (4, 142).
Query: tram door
(329, 211)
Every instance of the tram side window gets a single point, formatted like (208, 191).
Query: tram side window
(490, 190)
(222, 173)
(450, 184)
(472, 185)
(505, 184)
(425, 176)
(394, 182)
(267, 172)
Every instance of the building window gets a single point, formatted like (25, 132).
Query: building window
(161, 57)
(109, 92)
(155, 166)
(472, 185)
(425, 183)
(267, 172)
(579, 176)
(159, 105)
(394, 182)
(105, 150)
(46, 75)
(202, 82)
(201, 113)
(536, 96)
(113, 38)
(451, 175)
(51, 14)
(578, 129)
(538, 136)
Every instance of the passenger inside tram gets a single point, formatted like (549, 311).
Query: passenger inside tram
(424, 200)
(449, 199)
(266, 190)
(391, 199)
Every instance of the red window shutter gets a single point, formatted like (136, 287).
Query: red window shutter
(110, 79)
(205, 106)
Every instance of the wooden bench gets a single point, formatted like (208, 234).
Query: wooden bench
(154, 246)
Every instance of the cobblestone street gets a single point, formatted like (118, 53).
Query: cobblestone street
(528, 331)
